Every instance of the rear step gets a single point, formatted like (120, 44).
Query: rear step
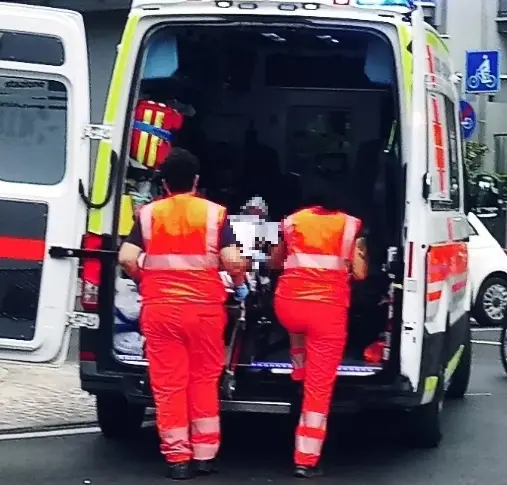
(274, 367)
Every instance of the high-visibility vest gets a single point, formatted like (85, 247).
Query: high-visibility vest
(319, 247)
(181, 259)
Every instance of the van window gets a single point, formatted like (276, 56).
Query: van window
(452, 137)
(33, 123)
(31, 48)
(443, 155)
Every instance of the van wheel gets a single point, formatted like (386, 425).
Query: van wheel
(503, 347)
(118, 419)
(424, 422)
(461, 377)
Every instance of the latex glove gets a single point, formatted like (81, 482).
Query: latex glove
(241, 292)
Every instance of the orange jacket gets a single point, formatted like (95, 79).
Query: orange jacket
(180, 264)
(319, 247)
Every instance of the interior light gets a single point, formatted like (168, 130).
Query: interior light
(274, 37)
(386, 3)
(311, 6)
(287, 6)
(224, 4)
(247, 6)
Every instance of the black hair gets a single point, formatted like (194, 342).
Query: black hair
(179, 170)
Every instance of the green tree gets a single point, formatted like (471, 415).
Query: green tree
(474, 157)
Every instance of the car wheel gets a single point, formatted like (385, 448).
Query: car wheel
(118, 419)
(491, 302)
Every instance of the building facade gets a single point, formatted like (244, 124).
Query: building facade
(470, 25)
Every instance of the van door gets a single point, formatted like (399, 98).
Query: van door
(44, 109)
(412, 334)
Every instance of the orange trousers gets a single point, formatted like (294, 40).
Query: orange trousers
(318, 334)
(186, 353)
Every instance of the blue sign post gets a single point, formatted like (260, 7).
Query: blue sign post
(482, 72)
(468, 119)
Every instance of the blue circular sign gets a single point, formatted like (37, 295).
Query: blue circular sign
(467, 118)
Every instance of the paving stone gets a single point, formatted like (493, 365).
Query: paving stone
(37, 396)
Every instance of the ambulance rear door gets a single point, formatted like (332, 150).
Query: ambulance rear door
(412, 40)
(44, 112)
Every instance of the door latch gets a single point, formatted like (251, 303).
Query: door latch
(98, 132)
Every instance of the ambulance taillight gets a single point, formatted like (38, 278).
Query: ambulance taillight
(91, 274)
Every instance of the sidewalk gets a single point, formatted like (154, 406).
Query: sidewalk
(36, 396)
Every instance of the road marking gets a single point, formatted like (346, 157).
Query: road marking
(486, 342)
(478, 394)
(486, 329)
(49, 433)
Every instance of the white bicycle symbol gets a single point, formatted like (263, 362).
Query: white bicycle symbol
(484, 78)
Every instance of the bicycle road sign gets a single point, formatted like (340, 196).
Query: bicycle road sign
(482, 72)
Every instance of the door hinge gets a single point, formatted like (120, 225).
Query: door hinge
(59, 252)
(83, 320)
(98, 132)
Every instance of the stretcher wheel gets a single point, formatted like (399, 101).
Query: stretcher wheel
(228, 386)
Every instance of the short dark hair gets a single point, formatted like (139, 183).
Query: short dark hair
(179, 170)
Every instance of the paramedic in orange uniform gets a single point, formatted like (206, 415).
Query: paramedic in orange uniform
(175, 249)
(319, 252)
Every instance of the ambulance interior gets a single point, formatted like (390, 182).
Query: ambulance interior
(261, 108)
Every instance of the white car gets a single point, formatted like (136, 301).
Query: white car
(488, 274)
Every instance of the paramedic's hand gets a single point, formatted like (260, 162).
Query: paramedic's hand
(241, 292)
(360, 260)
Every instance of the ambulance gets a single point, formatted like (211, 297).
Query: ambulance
(365, 84)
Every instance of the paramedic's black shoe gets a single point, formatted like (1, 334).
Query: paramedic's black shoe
(206, 467)
(307, 471)
(179, 471)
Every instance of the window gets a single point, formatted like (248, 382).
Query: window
(471, 230)
(453, 151)
(318, 135)
(31, 48)
(443, 154)
(33, 123)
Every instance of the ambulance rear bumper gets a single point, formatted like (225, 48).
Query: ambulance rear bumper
(351, 395)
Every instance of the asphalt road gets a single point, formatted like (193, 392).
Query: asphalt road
(362, 450)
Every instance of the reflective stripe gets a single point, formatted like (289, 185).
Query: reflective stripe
(154, 141)
(145, 217)
(212, 226)
(143, 138)
(209, 429)
(206, 425)
(308, 446)
(176, 441)
(204, 451)
(288, 225)
(349, 236)
(315, 261)
(312, 419)
(189, 262)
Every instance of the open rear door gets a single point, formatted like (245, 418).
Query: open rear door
(414, 57)
(44, 109)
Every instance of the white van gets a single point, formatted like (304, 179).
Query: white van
(345, 84)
